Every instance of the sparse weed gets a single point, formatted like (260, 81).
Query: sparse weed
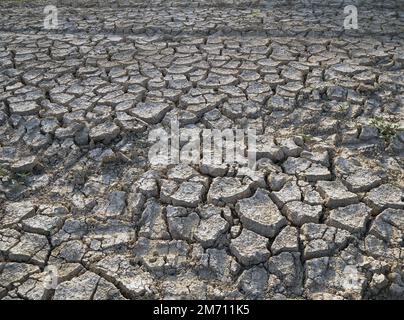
(3, 172)
(307, 138)
(342, 107)
(387, 129)
(255, 13)
(13, 180)
(22, 175)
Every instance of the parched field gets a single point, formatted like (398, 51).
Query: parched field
(84, 214)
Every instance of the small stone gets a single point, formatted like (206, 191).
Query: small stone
(213, 170)
(181, 224)
(181, 173)
(235, 231)
(250, 248)
(289, 192)
(260, 214)
(70, 251)
(300, 213)
(345, 167)
(397, 146)
(347, 69)
(211, 231)
(227, 214)
(107, 291)
(290, 149)
(336, 194)
(15, 212)
(379, 281)
(148, 187)
(320, 240)
(368, 133)
(385, 196)
(189, 194)
(363, 181)
(82, 137)
(152, 113)
(352, 218)
(42, 224)
(389, 226)
(33, 248)
(135, 201)
(207, 211)
(316, 172)
(286, 240)
(218, 264)
(13, 273)
(162, 257)
(80, 288)
(168, 187)
(227, 190)
(276, 181)
(320, 157)
(287, 268)
(25, 108)
(105, 132)
(116, 203)
(256, 177)
(295, 166)
(312, 197)
(253, 282)
(24, 165)
(266, 148)
(152, 222)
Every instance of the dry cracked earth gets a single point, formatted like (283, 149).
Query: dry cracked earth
(322, 217)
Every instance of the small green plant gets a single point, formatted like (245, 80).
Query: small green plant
(22, 175)
(307, 138)
(13, 180)
(3, 172)
(343, 107)
(255, 13)
(387, 129)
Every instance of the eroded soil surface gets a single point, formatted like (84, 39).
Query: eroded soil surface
(322, 217)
